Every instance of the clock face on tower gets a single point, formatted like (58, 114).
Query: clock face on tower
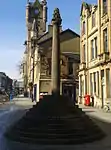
(36, 11)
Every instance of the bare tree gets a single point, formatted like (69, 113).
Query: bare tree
(20, 67)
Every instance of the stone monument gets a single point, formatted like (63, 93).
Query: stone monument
(56, 22)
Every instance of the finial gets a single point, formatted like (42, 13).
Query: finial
(56, 17)
(44, 2)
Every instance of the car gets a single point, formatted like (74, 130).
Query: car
(3, 96)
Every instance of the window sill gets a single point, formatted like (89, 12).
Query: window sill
(93, 59)
(107, 53)
(104, 15)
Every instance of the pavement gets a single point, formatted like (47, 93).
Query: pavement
(10, 113)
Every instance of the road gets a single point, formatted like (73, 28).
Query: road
(10, 113)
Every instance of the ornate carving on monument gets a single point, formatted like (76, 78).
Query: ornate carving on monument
(56, 17)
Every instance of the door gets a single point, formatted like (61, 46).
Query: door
(35, 91)
(102, 88)
(69, 91)
(103, 92)
(103, 97)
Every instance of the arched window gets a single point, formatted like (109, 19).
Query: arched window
(104, 7)
(93, 19)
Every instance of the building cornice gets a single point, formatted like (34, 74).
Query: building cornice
(97, 65)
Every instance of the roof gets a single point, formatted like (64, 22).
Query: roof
(61, 34)
(87, 6)
(2, 73)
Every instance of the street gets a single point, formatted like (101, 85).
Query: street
(11, 112)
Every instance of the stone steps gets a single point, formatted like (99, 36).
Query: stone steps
(54, 121)
(54, 133)
(57, 123)
(57, 141)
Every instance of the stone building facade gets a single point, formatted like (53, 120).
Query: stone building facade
(5, 82)
(37, 56)
(95, 52)
(70, 59)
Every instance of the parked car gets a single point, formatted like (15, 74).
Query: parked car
(4, 97)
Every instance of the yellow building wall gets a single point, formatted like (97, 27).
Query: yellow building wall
(72, 45)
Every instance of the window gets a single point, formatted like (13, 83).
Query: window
(93, 20)
(84, 55)
(108, 83)
(70, 68)
(105, 42)
(98, 82)
(104, 7)
(82, 86)
(83, 28)
(95, 47)
(49, 65)
(86, 84)
(95, 82)
(92, 49)
(91, 83)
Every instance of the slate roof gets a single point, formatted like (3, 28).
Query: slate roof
(61, 34)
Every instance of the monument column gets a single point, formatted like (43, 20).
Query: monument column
(56, 22)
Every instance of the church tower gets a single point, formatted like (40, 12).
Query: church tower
(36, 19)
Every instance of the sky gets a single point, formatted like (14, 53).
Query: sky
(13, 28)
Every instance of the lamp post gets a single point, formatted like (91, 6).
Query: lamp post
(56, 22)
(25, 73)
(33, 56)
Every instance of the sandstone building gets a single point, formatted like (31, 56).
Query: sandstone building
(95, 52)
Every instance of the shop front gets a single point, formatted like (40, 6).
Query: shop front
(69, 89)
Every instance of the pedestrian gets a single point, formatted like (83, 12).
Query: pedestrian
(11, 96)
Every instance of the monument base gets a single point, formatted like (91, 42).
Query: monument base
(55, 121)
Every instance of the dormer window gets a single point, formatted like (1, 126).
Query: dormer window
(104, 7)
(93, 19)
